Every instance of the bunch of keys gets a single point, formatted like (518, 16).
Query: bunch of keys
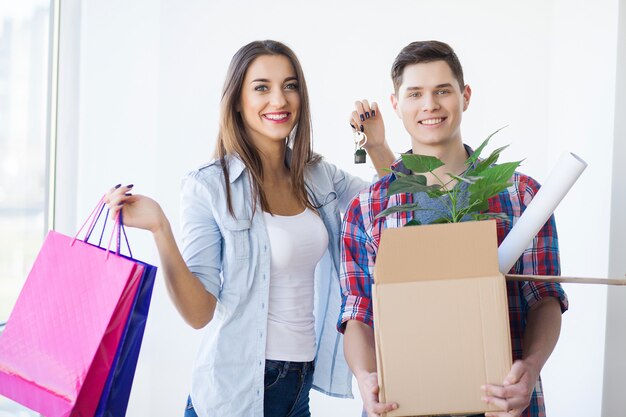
(360, 139)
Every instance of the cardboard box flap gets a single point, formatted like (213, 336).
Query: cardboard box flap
(459, 250)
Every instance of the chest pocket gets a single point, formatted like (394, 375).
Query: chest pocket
(237, 238)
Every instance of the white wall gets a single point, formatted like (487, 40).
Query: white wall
(614, 400)
(145, 106)
(583, 44)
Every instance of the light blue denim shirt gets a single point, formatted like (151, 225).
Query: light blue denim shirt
(231, 256)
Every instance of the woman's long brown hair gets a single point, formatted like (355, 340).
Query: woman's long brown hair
(232, 138)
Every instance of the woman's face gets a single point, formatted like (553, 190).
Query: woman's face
(270, 100)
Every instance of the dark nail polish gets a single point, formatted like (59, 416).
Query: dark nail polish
(128, 194)
(362, 128)
(373, 113)
(120, 204)
(362, 118)
(130, 186)
(118, 186)
(367, 115)
(353, 126)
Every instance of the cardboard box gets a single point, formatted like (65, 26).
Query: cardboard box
(441, 319)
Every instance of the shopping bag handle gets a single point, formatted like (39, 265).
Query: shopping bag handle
(118, 228)
(93, 218)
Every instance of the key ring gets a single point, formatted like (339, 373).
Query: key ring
(360, 139)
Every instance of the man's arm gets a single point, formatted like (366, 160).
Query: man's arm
(546, 302)
(360, 352)
(540, 337)
(357, 255)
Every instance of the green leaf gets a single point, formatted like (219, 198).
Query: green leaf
(436, 192)
(485, 191)
(477, 207)
(490, 160)
(469, 180)
(413, 222)
(421, 163)
(409, 184)
(441, 220)
(474, 157)
(498, 173)
(482, 206)
(487, 216)
(399, 208)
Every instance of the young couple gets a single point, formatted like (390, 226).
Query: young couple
(263, 243)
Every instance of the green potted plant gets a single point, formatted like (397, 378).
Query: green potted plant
(483, 177)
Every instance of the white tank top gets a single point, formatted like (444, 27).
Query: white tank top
(297, 244)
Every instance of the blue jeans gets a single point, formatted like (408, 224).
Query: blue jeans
(287, 386)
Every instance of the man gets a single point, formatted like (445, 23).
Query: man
(430, 97)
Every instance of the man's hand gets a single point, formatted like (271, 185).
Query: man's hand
(368, 386)
(515, 393)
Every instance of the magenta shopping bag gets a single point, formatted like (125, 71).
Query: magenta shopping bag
(61, 339)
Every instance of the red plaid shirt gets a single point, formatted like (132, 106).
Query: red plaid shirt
(361, 236)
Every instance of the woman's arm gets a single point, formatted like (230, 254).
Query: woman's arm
(195, 304)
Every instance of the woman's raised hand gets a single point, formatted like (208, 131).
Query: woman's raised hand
(137, 210)
(367, 119)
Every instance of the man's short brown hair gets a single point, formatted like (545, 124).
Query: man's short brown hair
(422, 52)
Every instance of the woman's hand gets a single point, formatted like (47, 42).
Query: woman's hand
(368, 120)
(137, 210)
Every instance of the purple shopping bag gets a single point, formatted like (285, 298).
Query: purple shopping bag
(116, 392)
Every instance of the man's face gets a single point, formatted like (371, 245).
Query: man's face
(431, 103)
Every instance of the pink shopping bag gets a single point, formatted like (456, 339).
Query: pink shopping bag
(62, 336)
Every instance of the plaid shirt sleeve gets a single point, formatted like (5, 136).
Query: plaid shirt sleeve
(542, 258)
(357, 262)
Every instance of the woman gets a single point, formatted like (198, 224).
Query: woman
(260, 228)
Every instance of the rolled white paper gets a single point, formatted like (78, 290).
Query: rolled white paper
(558, 184)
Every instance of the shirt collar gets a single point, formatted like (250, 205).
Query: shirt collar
(235, 167)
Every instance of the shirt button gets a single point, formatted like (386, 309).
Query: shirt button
(262, 305)
(265, 248)
(264, 277)
(260, 363)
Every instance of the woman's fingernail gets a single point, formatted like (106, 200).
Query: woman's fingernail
(373, 113)
(362, 129)
(120, 204)
(367, 115)
(128, 194)
(118, 186)
(353, 126)
(362, 117)
(130, 186)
